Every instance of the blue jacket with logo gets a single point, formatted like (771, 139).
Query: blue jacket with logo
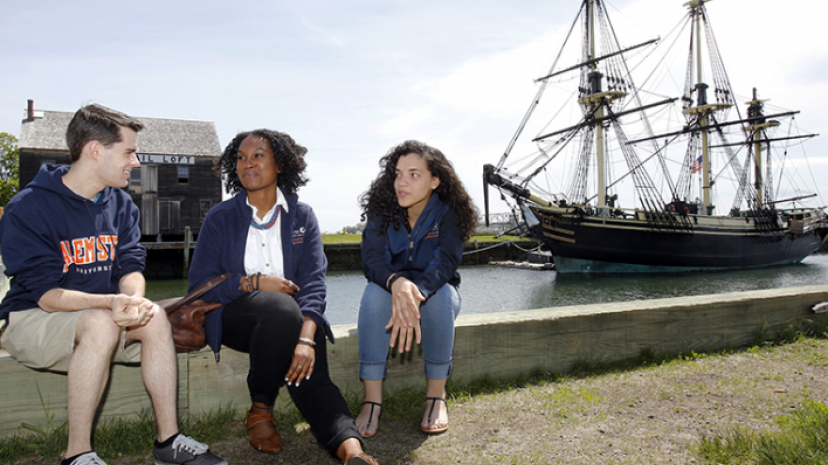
(220, 249)
(428, 256)
(52, 238)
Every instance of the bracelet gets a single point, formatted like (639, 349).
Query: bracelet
(247, 284)
(310, 342)
(258, 279)
(393, 278)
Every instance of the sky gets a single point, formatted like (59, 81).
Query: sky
(350, 79)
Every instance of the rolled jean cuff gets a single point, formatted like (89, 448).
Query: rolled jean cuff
(372, 371)
(437, 370)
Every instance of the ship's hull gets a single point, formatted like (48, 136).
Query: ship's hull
(590, 244)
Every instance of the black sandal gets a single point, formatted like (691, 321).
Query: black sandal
(371, 417)
(441, 429)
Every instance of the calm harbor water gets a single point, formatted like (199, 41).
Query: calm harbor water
(490, 289)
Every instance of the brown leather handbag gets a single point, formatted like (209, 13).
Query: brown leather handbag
(187, 316)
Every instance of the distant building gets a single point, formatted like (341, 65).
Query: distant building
(175, 185)
(498, 223)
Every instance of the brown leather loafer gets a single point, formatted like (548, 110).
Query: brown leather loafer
(261, 430)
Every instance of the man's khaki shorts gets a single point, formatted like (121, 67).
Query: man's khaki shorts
(44, 340)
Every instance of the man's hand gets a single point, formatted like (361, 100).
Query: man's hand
(128, 311)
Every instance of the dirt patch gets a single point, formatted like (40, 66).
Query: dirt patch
(653, 416)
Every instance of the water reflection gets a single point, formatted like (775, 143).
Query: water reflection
(490, 289)
(575, 290)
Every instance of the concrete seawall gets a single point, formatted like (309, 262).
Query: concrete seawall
(501, 345)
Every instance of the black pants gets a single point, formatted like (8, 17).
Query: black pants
(266, 325)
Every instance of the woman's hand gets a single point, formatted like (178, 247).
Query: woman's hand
(405, 314)
(301, 368)
(304, 355)
(273, 283)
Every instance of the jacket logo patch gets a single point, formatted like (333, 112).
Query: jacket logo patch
(88, 250)
(299, 236)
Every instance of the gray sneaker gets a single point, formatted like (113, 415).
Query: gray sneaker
(186, 451)
(89, 458)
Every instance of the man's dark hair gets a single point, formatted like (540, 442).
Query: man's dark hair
(97, 122)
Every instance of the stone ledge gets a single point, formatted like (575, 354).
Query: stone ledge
(499, 344)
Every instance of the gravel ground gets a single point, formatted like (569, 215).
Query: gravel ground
(646, 416)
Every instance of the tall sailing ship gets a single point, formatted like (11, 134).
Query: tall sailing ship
(615, 155)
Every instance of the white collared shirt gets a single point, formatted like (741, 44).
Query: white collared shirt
(263, 252)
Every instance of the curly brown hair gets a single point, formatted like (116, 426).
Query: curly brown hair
(381, 199)
(289, 156)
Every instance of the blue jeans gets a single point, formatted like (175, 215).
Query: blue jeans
(437, 316)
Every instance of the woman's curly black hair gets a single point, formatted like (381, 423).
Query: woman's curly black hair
(381, 199)
(290, 157)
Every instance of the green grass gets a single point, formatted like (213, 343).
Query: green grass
(116, 438)
(357, 238)
(802, 439)
(341, 238)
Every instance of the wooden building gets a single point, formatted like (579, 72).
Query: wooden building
(175, 185)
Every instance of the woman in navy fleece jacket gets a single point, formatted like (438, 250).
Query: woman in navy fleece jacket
(419, 215)
(274, 302)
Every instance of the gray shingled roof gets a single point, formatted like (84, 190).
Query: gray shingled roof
(160, 136)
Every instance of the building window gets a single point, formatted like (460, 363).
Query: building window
(206, 205)
(183, 174)
(135, 180)
(169, 216)
(143, 180)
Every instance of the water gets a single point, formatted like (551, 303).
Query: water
(491, 289)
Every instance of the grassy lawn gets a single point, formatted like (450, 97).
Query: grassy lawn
(341, 238)
(357, 238)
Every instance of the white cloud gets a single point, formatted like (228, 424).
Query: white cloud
(492, 87)
(401, 124)
(330, 38)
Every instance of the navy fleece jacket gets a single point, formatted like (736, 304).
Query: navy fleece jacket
(220, 249)
(428, 256)
(52, 238)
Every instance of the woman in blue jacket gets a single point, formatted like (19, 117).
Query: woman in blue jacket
(419, 215)
(274, 302)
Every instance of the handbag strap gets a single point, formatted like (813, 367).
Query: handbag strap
(198, 292)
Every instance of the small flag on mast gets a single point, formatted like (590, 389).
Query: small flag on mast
(696, 166)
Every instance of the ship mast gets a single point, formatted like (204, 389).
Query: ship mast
(597, 100)
(755, 112)
(702, 110)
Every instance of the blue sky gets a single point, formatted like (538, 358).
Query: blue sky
(349, 79)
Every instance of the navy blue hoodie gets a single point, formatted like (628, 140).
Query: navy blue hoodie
(52, 238)
(428, 256)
